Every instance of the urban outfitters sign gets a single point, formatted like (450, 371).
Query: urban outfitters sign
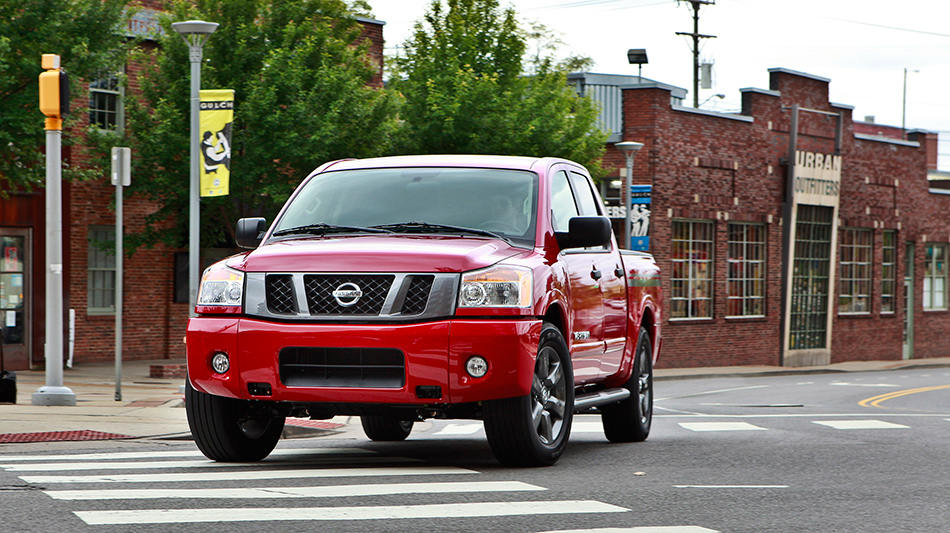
(817, 179)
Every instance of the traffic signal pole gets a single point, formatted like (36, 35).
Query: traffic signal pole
(53, 91)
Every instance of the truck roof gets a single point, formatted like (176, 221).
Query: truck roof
(445, 160)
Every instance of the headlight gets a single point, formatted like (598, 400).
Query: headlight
(221, 286)
(498, 286)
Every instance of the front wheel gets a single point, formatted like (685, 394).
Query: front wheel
(231, 430)
(533, 430)
(629, 420)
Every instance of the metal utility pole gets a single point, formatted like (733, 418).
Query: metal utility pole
(696, 4)
(121, 178)
(195, 33)
(54, 103)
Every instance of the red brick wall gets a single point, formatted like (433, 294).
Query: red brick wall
(712, 167)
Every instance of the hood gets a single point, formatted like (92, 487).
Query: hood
(375, 253)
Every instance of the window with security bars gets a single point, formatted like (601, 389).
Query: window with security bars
(745, 283)
(889, 272)
(935, 277)
(691, 279)
(100, 288)
(854, 271)
(105, 102)
(808, 323)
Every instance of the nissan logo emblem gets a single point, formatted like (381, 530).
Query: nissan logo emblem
(347, 294)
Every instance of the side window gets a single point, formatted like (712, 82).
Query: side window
(585, 196)
(563, 207)
(587, 201)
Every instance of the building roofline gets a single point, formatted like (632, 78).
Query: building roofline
(888, 140)
(797, 73)
(710, 113)
(767, 92)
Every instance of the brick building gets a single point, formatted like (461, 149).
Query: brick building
(850, 263)
(155, 288)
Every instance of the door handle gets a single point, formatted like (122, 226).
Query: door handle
(596, 274)
(619, 272)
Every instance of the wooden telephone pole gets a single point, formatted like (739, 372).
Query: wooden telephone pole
(696, 5)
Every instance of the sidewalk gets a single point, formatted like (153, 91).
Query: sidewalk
(153, 407)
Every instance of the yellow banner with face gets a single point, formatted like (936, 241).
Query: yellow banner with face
(216, 114)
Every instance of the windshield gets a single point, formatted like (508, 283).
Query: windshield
(419, 200)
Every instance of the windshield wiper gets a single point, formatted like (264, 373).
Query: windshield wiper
(322, 229)
(426, 227)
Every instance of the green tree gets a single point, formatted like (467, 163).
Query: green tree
(465, 88)
(301, 99)
(73, 29)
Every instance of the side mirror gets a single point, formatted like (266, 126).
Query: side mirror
(250, 232)
(585, 232)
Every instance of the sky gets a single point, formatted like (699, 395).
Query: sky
(862, 46)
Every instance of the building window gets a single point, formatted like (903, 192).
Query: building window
(691, 279)
(809, 316)
(889, 272)
(854, 281)
(935, 277)
(746, 276)
(105, 103)
(100, 290)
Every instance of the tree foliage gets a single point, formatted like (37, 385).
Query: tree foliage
(465, 88)
(301, 99)
(76, 30)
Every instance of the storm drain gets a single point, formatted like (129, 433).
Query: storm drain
(51, 436)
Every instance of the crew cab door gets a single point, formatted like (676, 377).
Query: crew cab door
(611, 282)
(591, 277)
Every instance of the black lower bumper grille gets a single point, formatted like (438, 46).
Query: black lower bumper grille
(380, 368)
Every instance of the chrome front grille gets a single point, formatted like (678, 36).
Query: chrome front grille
(280, 294)
(350, 296)
(320, 290)
(417, 296)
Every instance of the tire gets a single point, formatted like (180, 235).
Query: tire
(629, 420)
(384, 428)
(533, 430)
(228, 429)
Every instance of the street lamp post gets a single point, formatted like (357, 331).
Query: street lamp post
(195, 33)
(629, 149)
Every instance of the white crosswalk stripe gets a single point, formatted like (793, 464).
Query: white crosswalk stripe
(299, 473)
(333, 491)
(150, 465)
(305, 453)
(577, 427)
(266, 514)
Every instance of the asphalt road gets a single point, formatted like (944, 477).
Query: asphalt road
(824, 452)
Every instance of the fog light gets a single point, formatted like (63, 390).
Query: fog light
(220, 363)
(476, 366)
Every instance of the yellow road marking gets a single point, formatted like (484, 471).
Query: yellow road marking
(876, 400)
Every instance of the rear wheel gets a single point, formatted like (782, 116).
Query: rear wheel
(384, 428)
(629, 420)
(231, 430)
(533, 430)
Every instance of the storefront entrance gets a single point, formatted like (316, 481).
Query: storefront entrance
(15, 305)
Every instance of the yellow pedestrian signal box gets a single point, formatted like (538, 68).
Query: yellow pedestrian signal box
(54, 92)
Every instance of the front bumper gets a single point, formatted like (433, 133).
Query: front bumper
(435, 354)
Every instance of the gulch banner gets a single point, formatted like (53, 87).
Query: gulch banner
(216, 113)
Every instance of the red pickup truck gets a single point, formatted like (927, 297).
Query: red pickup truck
(406, 288)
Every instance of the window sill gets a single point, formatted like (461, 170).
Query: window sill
(695, 319)
(855, 315)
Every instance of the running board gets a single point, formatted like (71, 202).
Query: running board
(582, 402)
